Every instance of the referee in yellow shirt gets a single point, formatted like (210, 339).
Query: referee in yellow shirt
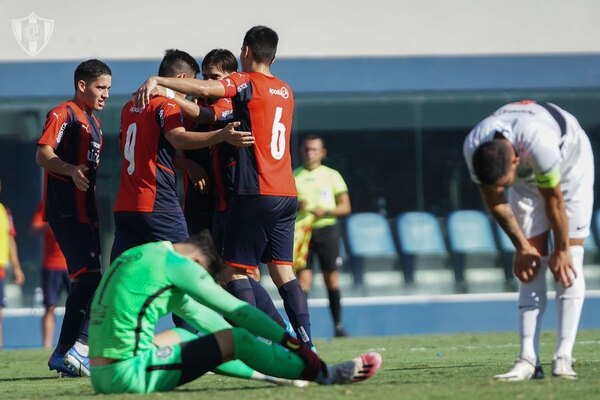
(323, 193)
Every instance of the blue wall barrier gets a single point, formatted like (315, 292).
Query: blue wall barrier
(343, 74)
(369, 316)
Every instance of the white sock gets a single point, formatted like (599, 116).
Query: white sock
(569, 302)
(82, 348)
(532, 304)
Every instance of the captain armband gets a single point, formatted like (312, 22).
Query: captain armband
(548, 180)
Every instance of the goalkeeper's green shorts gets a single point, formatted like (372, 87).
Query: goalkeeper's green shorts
(152, 370)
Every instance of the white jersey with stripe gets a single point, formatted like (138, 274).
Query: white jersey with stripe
(538, 138)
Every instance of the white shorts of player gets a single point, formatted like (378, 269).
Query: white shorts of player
(577, 186)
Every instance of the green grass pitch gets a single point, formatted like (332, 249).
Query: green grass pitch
(414, 367)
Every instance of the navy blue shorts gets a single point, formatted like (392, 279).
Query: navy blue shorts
(260, 228)
(218, 229)
(80, 244)
(53, 283)
(137, 228)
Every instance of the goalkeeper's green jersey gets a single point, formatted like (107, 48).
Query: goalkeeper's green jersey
(152, 280)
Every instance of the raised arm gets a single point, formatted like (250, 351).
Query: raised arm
(189, 86)
(186, 140)
(190, 109)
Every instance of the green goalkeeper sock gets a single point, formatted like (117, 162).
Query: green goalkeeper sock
(267, 358)
(236, 369)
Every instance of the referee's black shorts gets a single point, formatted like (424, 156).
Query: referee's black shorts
(325, 244)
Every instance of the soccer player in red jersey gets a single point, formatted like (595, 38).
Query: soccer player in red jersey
(219, 159)
(55, 276)
(69, 151)
(260, 225)
(147, 208)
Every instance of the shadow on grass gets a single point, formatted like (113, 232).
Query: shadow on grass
(428, 367)
(32, 378)
(222, 389)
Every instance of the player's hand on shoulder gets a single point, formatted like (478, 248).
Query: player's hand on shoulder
(78, 175)
(158, 91)
(237, 138)
(141, 97)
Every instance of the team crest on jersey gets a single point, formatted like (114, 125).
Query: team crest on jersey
(164, 351)
(32, 33)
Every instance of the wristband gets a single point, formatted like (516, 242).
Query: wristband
(169, 93)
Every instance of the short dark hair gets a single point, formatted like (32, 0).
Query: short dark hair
(263, 43)
(203, 241)
(222, 59)
(177, 61)
(314, 136)
(90, 70)
(491, 161)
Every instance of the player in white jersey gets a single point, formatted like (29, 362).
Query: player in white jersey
(541, 152)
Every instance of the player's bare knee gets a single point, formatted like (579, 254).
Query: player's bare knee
(281, 273)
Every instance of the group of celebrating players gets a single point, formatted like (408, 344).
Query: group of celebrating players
(234, 137)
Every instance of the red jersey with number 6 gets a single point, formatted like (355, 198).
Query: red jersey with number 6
(264, 105)
(148, 181)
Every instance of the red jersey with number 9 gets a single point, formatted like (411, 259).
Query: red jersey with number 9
(264, 105)
(148, 182)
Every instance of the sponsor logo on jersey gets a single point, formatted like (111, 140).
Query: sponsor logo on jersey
(93, 154)
(243, 86)
(283, 92)
(61, 132)
(56, 115)
(226, 114)
(134, 109)
(161, 117)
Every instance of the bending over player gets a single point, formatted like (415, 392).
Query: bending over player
(152, 280)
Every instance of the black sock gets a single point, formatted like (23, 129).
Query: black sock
(242, 289)
(334, 305)
(264, 302)
(198, 357)
(296, 308)
(85, 325)
(77, 303)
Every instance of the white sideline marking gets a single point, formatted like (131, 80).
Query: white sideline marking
(423, 299)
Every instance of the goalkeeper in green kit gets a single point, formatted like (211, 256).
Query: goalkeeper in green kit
(154, 279)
